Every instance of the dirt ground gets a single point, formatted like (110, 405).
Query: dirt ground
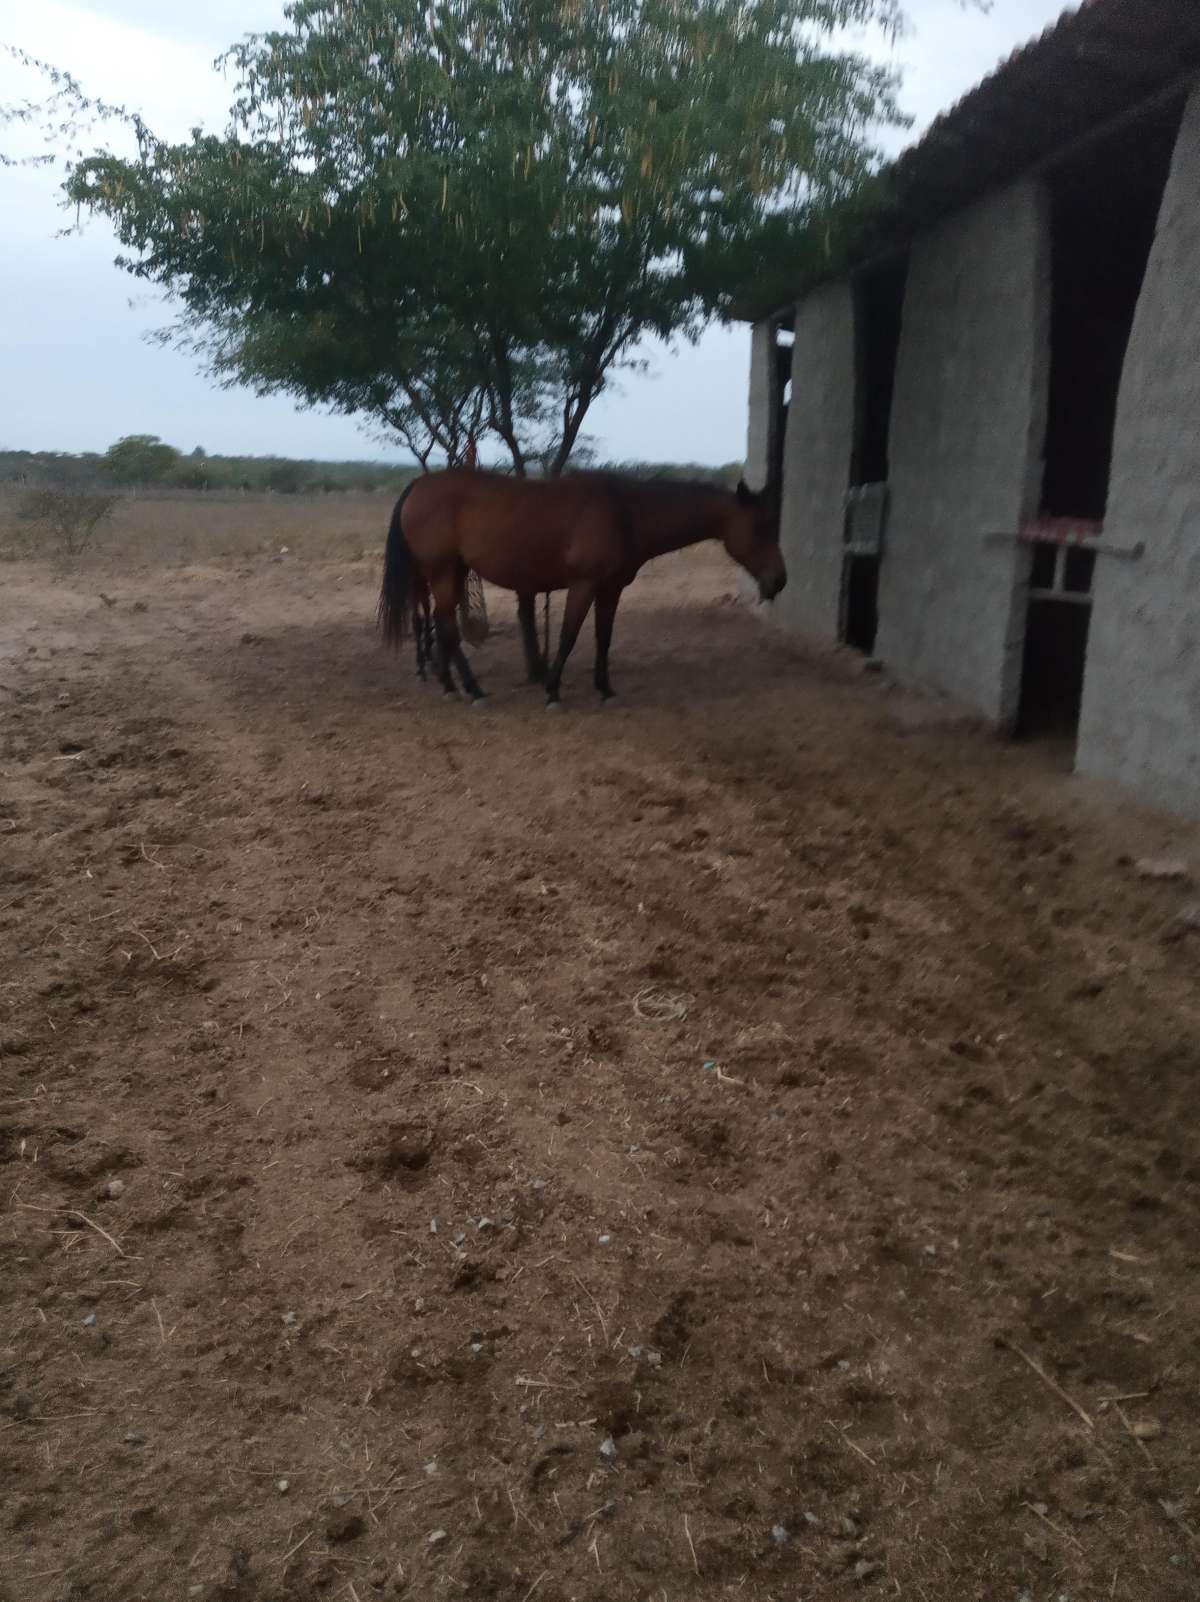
(739, 1143)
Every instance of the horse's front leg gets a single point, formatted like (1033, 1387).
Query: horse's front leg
(535, 662)
(579, 600)
(607, 601)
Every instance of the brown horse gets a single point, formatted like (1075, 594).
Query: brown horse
(588, 534)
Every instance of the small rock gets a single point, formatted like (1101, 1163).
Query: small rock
(608, 1448)
(90, 1319)
(866, 1571)
(604, 1239)
(779, 1534)
(289, 1318)
(848, 1527)
(1161, 868)
(812, 1520)
(282, 1487)
(1147, 1429)
(134, 1439)
(634, 1351)
(539, 1184)
(486, 1223)
(438, 1537)
(283, 550)
(477, 1347)
(114, 1190)
(431, 1466)
(653, 1358)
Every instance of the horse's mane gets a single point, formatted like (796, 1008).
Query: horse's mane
(660, 482)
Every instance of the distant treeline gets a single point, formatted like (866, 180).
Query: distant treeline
(142, 462)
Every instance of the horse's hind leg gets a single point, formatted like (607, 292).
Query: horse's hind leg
(535, 662)
(445, 616)
(607, 601)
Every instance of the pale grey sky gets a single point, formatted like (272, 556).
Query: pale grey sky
(78, 371)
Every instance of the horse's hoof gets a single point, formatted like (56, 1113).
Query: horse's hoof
(478, 702)
(553, 706)
(449, 695)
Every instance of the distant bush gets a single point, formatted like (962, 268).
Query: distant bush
(68, 518)
(287, 478)
(140, 459)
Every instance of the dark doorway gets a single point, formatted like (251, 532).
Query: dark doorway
(1104, 207)
(878, 308)
(861, 604)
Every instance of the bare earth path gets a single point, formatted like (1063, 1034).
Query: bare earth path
(364, 1230)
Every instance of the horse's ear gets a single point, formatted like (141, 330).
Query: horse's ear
(745, 494)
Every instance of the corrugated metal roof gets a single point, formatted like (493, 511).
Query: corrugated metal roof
(1099, 62)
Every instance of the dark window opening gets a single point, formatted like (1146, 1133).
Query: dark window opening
(1079, 567)
(1104, 207)
(1104, 210)
(1044, 567)
(878, 306)
(878, 309)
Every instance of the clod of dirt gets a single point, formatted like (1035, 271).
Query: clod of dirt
(344, 1526)
(1147, 1429)
(608, 1448)
(1170, 868)
(672, 1333)
(114, 1190)
(615, 1406)
(779, 1534)
(402, 1156)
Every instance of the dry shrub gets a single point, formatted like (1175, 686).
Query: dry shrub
(65, 520)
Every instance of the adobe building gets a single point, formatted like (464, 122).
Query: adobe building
(983, 397)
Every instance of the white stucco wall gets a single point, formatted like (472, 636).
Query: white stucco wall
(816, 463)
(762, 404)
(968, 423)
(1141, 707)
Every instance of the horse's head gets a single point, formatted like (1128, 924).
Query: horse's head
(752, 538)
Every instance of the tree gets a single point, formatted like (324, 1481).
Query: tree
(471, 211)
(140, 459)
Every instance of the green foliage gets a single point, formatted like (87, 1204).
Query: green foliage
(473, 210)
(140, 459)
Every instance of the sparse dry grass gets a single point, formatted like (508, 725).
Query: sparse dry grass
(196, 527)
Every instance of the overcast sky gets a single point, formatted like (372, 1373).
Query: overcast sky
(77, 369)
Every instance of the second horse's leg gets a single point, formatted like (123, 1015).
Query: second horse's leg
(535, 662)
(607, 601)
(579, 600)
(446, 598)
(423, 631)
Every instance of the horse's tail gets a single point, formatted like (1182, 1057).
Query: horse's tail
(395, 595)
